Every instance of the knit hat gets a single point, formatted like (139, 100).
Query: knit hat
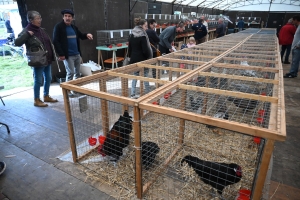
(68, 11)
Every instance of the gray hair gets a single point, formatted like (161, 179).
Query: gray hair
(31, 15)
(290, 20)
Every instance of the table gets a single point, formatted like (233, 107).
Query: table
(114, 59)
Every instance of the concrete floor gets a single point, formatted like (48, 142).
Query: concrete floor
(39, 135)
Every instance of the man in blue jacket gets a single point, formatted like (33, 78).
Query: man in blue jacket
(200, 31)
(241, 24)
(66, 42)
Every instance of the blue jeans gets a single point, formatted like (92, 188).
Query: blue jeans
(38, 73)
(295, 62)
(72, 65)
(146, 83)
(288, 51)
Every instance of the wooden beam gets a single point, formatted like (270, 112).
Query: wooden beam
(229, 93)
(104, 109)
(245, 78)
(235, 66)
(193, 55)
(181, 61)
(164, 68)
(70, 125)
(253, 55)
(250, 59)
(141, 78)
(229, 125)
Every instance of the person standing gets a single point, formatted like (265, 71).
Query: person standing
(66, 42)
(295, 50)
(206, 25)
(9, 29)
(241, 24)
(200, 31)
(220, 31)
(286, 36)
(168, 36)
(139, 50)
(36, 38)
(153, 39)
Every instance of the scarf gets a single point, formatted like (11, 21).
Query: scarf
(138, 31)
(43, 37)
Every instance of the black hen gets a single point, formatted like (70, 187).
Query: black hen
(221, 111)
(118, 137)
(246, 104)
(195, 105)
(218, 175)
(149, 151)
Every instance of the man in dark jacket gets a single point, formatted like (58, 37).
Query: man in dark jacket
(167, 37)
(241, 24)
(221, 29)
(286, 36)
(153, 39)
(200, 31)
(66, 42)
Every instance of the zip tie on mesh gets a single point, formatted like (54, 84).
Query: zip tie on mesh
(69, 122)
(137, 148)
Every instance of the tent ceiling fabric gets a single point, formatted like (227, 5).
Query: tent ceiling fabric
(258, 5)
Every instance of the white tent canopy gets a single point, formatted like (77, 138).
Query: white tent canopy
(249, 5)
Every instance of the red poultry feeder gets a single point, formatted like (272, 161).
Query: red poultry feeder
(155, 103)
(101, 139)
(260, 120)
(92, 141)
(261, 112)
(256, 140)
(244, 194)
(166, 96)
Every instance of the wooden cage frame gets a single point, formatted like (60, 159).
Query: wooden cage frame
(275, 132)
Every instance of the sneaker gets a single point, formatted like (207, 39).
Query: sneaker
(286, 62)
(134, 96)
(289, 75)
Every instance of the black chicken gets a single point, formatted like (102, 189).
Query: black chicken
(218, 175)
(246, 104)
(149, 151)
(221, 111)
(195, 105)
(118, 137)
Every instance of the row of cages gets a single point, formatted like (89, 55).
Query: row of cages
(249, 19)
(203, 124)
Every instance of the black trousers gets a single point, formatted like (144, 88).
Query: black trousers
(288, 51)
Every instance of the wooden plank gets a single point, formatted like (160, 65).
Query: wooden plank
(234, 66)
(164, 68)
(70, 125)
(182, 121)
(181, 61)
(230, 125)
(193, 55)
(245, 78)
(253, 55)
(261, 176)
(138, 152)
(229, 93)
(254, 52)
(161, 169)
(104, 109)
(250, 59)
(124, 87)
(202, 51)
(141, 78)
(99, 94)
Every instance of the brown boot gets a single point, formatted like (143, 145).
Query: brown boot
(39, 103)
(49, 99)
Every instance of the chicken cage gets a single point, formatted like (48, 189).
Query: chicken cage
(221, 111)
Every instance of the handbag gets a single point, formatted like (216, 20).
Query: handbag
(37, 58)
(126, 59)
(158, 53)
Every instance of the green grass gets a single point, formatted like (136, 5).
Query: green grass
(14, 73)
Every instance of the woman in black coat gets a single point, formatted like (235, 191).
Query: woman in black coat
(139, 50)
